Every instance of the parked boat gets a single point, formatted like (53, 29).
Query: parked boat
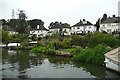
(112, 60)
(13, 45)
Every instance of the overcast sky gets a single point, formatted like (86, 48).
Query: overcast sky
(69, 11)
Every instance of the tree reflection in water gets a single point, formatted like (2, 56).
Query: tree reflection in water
(22, 61)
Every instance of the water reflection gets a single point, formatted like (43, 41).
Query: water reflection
(24, 64)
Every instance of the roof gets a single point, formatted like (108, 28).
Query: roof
(60, 26)
(112, 20)
(82, 23)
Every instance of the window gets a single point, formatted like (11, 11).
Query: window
(73, 28)
(108, 24)
(89, 27)
(78, 28)
(109, 30)
(103, 25)
(84, 27)
(88, 31)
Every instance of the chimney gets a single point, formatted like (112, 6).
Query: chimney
(80, 20)
(83, 19)
(38, 26)
(113, 15)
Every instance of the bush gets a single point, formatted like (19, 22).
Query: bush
(51, 51)
(55, 45)
(102, 38)
(74, 51)
(39, 49)
(92, 55)
(66, 43)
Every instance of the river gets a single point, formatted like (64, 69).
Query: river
(25, 64)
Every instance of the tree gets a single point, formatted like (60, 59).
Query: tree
(98, 24)
(5, 37)
(4, 22)
(13, 24)
(58, 25)
(104, 17)
(33, 23)
(22, 26)
(66, 43)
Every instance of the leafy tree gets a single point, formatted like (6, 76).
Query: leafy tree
(98, 24)
(22, 25)
(104, 17)
(58, 25)
(4, 22)
(5, 37)
(66, 43)
(33, 23)
(13, 23)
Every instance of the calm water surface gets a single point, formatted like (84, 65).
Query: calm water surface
(24, 64)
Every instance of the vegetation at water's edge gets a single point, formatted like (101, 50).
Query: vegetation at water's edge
(92, 55)
(89, 48)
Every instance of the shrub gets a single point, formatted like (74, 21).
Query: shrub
(51, 51)
(66, 43)
(39, 49)
(92, 55)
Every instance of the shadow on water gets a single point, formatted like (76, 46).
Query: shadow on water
(21, 61)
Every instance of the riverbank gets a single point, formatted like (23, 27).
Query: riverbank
(88, 48)
(87, 55)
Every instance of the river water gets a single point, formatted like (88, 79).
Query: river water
(25, 64)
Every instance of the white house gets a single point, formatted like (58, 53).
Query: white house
(111, 24)
(83, 27)
(65, 29)
(39, 32)
(1, 24)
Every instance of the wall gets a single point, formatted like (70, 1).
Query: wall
(86, 29)
(112, 26)
(39, 33)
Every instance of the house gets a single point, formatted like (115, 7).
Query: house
(40, 31)
(62, 28)
(111, 24)
(1, 24)
(83, 27)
